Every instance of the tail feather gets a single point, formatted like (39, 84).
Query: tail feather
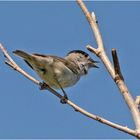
(27, 57)
(22, 54)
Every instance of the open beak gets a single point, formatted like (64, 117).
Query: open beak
(92, 63)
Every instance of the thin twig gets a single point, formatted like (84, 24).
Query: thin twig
(76, 107)
(102, 55)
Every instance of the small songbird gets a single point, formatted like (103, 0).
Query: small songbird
(59, 72)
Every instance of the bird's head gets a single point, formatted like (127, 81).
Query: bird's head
(82, 59)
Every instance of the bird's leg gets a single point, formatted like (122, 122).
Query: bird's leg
(43, 85)
(65, 97)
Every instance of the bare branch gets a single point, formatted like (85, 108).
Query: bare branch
(12, 64)
(93, 50)
(93, 24)
(102, 55)
(104, 121)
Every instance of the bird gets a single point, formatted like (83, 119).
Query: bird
(58, 72)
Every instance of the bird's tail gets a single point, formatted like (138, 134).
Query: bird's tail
(22, 54)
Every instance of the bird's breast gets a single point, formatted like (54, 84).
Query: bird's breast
(66, 77)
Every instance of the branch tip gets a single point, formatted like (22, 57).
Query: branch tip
(8, 63)
(118, 74)
(93, 50)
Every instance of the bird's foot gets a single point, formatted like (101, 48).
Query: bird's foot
(43, 86)
(64, 99)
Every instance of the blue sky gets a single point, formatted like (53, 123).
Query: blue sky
(57, 28)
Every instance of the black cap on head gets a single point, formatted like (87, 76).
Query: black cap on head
(79, 51)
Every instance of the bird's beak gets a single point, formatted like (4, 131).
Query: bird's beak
(92, 63)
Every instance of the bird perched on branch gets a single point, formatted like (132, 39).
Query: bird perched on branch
(58, 72)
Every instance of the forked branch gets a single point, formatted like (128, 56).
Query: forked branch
(100, 52)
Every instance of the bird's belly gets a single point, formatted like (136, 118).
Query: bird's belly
(67, 78)
(64, 78)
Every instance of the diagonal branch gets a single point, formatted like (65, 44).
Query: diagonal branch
(100, 52)
(125, 129)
